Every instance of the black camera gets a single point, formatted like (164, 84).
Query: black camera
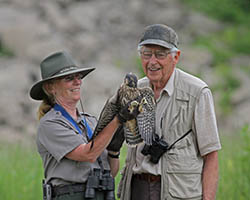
(156, 150)
(101, 181)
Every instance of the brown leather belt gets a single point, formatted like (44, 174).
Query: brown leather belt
(147, 177)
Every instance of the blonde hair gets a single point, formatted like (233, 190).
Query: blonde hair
(47, 103)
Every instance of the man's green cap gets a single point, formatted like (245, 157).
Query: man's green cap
(159, 34)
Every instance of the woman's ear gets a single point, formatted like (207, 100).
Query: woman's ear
(48, 88)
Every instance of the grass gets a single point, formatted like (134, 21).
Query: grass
(21, 173)
(21, 169)
(234, 161)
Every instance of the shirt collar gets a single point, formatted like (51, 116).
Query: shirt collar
(169, 87)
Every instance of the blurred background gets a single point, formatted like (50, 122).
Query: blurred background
(214, 39)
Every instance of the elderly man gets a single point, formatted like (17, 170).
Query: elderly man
(185, 117)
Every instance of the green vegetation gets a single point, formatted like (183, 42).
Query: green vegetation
(232, 40)
(230, 11)
(4, 51)
(21, 169)
(139, 66)
(234, 166)
(21, 173)
(228, 84)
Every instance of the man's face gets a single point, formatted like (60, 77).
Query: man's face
(158, 63)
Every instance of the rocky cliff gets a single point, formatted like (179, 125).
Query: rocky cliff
(102, 34)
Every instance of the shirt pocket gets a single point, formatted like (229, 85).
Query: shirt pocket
(184, 176)
(180, 123)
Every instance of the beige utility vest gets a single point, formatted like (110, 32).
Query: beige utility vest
(182, 165)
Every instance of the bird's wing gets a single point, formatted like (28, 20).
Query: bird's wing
(108, 112)
(146, 118)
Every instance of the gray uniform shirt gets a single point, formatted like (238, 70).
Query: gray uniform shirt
(57, 137)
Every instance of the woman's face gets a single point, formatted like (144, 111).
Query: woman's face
(66, 90)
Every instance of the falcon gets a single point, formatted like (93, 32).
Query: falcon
(143, 127)
(136, 130)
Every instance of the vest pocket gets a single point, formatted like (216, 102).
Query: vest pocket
(184, 176)
(185, 186)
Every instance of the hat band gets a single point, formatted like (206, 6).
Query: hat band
(65, 69)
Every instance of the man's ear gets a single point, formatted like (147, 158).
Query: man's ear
(177, 56)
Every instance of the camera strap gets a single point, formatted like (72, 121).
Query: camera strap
(171, 146)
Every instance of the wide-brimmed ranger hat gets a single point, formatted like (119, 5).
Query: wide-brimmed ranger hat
(159, 34)
(54, 66)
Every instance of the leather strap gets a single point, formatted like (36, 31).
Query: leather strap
(147, 177)
(67, 189)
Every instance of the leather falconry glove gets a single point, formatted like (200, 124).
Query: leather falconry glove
(117, 140)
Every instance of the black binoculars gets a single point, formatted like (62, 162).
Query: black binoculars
(156, 150)
(101, 181)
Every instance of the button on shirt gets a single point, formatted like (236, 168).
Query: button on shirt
(204, 124)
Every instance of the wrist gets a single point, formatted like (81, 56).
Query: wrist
(120, 118)
(113, 154)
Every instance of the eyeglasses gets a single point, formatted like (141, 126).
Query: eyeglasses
(71, 77)
(159, 54)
